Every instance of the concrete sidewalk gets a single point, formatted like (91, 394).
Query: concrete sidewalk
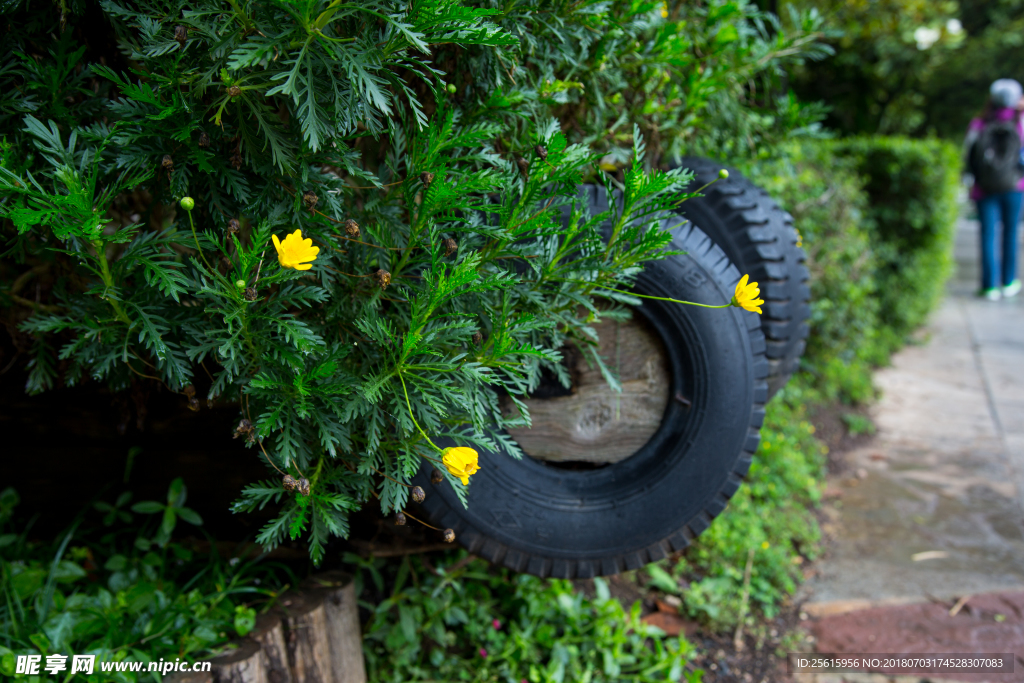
(945, 474)
(935, 509)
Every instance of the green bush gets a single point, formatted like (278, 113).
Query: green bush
(467, 621)
(912, 207)
(831, 212)
(415, 143)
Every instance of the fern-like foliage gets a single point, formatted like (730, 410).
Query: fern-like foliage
(426, 122)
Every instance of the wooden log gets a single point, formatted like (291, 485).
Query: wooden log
(241, 665)
(189, 677)
(269, 634)
(343, 630)
(596, 424)
(309, 654)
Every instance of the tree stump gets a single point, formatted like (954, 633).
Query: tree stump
(242, 665)
(343, 630)
(309, 650)
(269, 634)
(189, 677)
(596, 424)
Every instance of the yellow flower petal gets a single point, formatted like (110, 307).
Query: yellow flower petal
(461, 462)
(746, 295)
(295, 252)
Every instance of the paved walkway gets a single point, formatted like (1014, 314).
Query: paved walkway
(935, 509)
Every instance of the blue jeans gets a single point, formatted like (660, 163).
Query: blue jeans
(1004, 207)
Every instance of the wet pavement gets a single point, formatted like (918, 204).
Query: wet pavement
(932, 512)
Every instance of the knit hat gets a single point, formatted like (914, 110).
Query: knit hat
(1005, 92)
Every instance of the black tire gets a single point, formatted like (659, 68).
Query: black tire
(759, 238)
(550, 521)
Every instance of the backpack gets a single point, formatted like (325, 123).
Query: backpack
(996, 157)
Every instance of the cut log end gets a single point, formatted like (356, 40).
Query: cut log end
(312, 636)
(189, 677)
(244, 664)
(596, 424)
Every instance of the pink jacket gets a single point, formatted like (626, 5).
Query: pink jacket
(974, 129)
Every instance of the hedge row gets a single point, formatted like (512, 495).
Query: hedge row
(876, 216)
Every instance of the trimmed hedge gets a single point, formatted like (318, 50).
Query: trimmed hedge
(911, 187)
(831, 212)
(877, 216)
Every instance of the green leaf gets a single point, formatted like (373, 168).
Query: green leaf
(176, 493)
(245, 620)
(662, 579)
(190, 516)
(169, 521)
(116, 563)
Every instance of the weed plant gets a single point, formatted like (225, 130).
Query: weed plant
(113, 585)
(463, 620)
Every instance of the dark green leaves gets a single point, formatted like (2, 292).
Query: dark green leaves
(170, 512)
(444, 143)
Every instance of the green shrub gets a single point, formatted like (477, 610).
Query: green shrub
(912, 208)
(271, 118)
(467, 621)
(113, 586)
(831, 212)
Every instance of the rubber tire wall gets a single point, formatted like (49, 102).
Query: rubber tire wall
(550, 521)
(759, 238)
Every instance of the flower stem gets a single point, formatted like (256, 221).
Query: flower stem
(409, 406)
(198, 248)
(419, 520)
(101, 251)
(703, 186)
(662, 298)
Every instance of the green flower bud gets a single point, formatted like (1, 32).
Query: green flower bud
(451, 88)
(240, 284)
(188, 203)
(723, 174)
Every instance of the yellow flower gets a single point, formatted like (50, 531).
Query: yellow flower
(461, 462)
(799, 239)
(664, 11)
(746, 296)
(765, 545)
(294, 251)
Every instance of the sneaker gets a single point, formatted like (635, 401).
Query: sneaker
(1012, 289)
(991, 294)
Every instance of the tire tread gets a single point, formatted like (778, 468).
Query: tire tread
(763, 234)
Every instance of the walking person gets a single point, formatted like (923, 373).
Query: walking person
(993, 152)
